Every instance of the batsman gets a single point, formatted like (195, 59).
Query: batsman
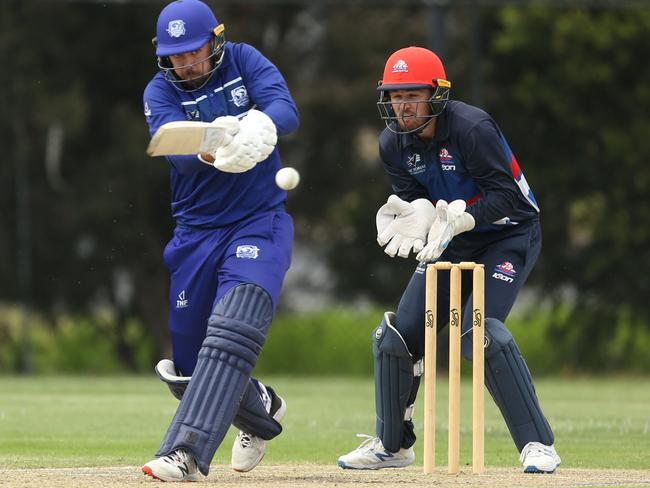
(232, 242)
(459, 194)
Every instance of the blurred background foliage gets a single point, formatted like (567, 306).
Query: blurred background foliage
(84, 213)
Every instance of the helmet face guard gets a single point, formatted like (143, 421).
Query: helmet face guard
(436, 104)
(215, 57)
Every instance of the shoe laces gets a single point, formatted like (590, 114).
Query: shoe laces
(535, 448)
(178, 456)
(245, 439)
(370, 444)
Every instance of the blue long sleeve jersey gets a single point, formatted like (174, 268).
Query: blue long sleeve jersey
(202, 196)
(469, 159)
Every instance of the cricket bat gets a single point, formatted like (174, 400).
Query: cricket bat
(186, 137)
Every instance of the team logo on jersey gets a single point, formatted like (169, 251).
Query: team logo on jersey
(176, 28)
(414, 164)
(446, 160)
(182, 302)
(147, 110)
(400, 66)
(240, 96)
(505, 272)
(248, 251)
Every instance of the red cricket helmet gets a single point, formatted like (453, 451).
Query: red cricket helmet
(413, 68)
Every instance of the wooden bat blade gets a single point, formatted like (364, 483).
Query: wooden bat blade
(186, 137)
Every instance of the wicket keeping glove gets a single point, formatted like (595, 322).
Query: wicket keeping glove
(451, 220)
(402, 226)
(254, 142)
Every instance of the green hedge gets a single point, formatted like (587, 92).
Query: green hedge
(71, 344)
(339, 342)
(333, 342)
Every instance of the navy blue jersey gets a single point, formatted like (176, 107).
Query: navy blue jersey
(468, 159)
(202, 196)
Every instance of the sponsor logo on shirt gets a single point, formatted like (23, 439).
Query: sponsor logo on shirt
(191, 108)
(248, 251)
(505, 272)
(414, 164)
(239, 96)
(507, 268)
(182, 302)
(176, 28)
(192, 114)
(147, 110)
(446, 160)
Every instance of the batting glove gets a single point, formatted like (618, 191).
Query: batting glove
(253, 143)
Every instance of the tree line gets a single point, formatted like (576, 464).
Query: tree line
(85, 214)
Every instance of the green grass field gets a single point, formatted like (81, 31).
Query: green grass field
(102, 421)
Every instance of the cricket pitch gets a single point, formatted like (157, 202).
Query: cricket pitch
(313, 475)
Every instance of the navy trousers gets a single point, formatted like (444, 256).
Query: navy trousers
(508, 255)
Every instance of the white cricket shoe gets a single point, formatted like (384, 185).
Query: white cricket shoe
(372, 455)
(248, 449)
(539, 458)
(179, 465)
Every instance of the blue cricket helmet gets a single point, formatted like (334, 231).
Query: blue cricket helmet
(183, 26)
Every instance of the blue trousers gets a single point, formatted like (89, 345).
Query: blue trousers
(205, 263)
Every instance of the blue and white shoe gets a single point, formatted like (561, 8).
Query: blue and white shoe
(539, 458)
(372, 455)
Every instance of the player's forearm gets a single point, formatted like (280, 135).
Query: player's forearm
(494, 206)
(284, 114)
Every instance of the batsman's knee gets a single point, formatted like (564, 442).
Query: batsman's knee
(239, 323)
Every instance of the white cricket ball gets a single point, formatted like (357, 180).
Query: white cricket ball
(287, 178)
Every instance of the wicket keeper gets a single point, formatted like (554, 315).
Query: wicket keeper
(459, 194)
